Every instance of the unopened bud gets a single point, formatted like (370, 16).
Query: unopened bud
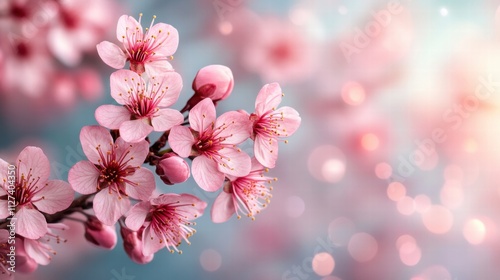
(172, 169)
(100, 234)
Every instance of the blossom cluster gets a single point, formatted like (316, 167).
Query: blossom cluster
(115, 185)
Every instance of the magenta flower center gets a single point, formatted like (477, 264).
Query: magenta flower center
(251, 194)
(143, 103)
(269, 124)
(114, 170)
(26, 187)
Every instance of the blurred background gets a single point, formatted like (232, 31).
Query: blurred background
(391, 175)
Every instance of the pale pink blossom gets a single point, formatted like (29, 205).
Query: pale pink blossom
(147, 51)
(100, 234)
(33, 194)
(166, 220)
(132, 243)
(248, 195)
(172, 169)
(271, 123)
(214, 81)
(144, 107)
(113, 171)
(213, 142)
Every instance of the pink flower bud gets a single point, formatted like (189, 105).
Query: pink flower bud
(24, 263)
(172, 169)
(214, 81)
(132, 243)
(100, 234)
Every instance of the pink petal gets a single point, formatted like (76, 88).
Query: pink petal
(194, 206)
(238, 127)
(33, 161)
(269, 97)
(151, 242)
(4, 173)
(168, 37)
(121, 27)
(235, 162)
(30, 223)
(181, 140)
(266, 151)
(123, 83)
(83, 177)
(55, 196)
(165, 119)
(173, 81)
(4, 236)
(62, 45)
(137, 152)
(135, 130)
(144, 185)
(4, 209)
(291, 120)
(92, 137)
(223, 208)
(111, 54)
(137, 215)
(109, 206)
(206, 174)
(157, 67)
(36, 251)
(112, 116)
(202, 115)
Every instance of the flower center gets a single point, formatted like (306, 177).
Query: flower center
(114, 170)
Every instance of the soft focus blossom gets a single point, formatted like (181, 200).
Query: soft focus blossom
(167, 220)
(248, 195)
(34, 194)
(100, 234)
(143, 107)
(147, 51)
(213, 142)
(113, 171)
(172, 169)
(132, 243)
(214, 81)
(271, 123)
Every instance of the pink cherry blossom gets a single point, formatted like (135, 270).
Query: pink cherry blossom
(167, 220)
(132, 243)
(213, 142)
(100, 234)
(248, 194)
(143, 107)
(146, 51)
(33, 193)
(172, 169)
(270, 123)
(113, 171)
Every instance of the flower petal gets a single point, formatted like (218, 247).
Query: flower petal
(112, 116)
(269, 97)
(83, 177)
(151, 242)
(30, 223)
(223, 208)
(157, 67)
(266, 151)
(291, 121)
(93, 137)
(124, 83)
(202, 115)
(55, 196)
(167, 38)
(237, 127)
(144, 184)
(109, 206)
(135, 130)
(137, 215)
(35, 250)
(234, 162)
(165, 119)
(33, 161)
(4, 208)
(173, 82)
(181, 140)
(194, 207)
(4, 174)
(206, 174)
(137, 152)
(111, 54)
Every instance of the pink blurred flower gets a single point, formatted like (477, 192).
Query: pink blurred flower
(132, 243)
(113, 171)
(172, 169)
(147, 52)
(143, 107)
(167, 220)
(247, 194)
(213, 142)
(270, 123)
(39, 249)
(100, 234)
(34, 194)
(214, 81)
